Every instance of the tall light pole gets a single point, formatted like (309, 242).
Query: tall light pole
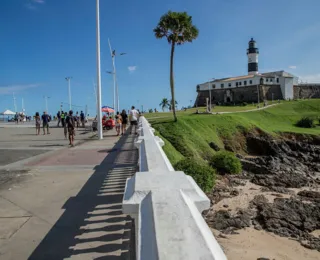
(22, 105)
(100, 135)
(14, 103)
(46, 101)
(69, 90)
(116, 100)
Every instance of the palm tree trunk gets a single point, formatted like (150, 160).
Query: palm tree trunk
(172, 83)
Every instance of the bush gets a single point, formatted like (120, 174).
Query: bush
(244, 104)
(226, 162)
(202, 173)
(150, 110)
(305, 122)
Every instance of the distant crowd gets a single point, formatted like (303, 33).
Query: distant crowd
(69, 122)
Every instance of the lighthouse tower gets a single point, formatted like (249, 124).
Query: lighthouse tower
(253, 53)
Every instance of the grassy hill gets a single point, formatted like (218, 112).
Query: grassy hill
(191, 135)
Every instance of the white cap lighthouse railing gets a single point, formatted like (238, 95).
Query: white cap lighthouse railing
(166, 206)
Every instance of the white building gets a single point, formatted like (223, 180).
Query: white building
(283, 79)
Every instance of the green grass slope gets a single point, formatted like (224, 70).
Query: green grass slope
(190, 136)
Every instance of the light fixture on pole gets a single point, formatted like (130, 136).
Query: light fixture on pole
(100, 135)
(69, 90)
(116, 100)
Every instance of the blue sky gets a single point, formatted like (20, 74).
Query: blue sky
(43, 41)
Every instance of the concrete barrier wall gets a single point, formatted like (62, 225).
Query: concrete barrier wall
(166, 206)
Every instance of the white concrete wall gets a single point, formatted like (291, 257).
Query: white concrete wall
(288, 88)
(167, 206)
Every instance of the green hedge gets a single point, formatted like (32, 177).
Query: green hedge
(305, 122)
(226, 162)
(202, 173)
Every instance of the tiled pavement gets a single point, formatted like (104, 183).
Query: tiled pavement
(70, 208)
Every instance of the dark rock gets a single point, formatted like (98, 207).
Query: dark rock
(234, 193)
(258, 200)
(226, 206)
(214, 146)
(310, 195)
(290, 218)
(254, 167)
(263, 258)
(288, 180)
(222, 220)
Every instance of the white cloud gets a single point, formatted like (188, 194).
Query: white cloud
(5, 90)
(312, 78)
(293, 67)
(31, 6)
(132, 68)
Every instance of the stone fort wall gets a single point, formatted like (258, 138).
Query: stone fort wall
(306, 91)
(249, 94)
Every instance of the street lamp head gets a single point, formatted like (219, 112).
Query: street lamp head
(109, 72)
(123, 53)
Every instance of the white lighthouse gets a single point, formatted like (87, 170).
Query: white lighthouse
(253, 54)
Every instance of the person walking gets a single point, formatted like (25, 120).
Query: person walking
(38, 123)
(124, 117)
(65, 128)
(133, 116)
(71, 127)
(59, 118)
(118, 119)
(77, 118)
(82, 118)
(45, 122)
(63, 118)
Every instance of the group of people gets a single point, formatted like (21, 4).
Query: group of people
(62, 116)
(21, 117)
(122, 120)
(68, 123)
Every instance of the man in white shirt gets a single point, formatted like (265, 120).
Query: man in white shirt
(133, 117)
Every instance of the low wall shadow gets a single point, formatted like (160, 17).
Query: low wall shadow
(92, 225)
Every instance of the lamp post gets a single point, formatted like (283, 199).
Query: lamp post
(116, 99)
(258, 90)
(69, 90)
(100, 135)
(14, 103)
(210, 91)
(46, 102)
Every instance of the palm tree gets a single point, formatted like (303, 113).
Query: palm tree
(177, 27)
(164, 104)
(170, 104)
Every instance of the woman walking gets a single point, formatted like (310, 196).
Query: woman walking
(38, 122)
(124, 121)
(118, 123)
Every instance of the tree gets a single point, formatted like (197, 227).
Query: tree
(164, 104)
(177, 27)
(170, 104)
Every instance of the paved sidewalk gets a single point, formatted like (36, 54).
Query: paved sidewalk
(69, 205)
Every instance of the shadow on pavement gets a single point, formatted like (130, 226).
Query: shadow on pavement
(92, 225)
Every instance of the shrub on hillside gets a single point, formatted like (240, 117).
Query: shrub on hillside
(202, 173)
(226, 162)
(305, 122)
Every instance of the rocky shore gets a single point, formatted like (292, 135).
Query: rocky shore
(278, 191)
